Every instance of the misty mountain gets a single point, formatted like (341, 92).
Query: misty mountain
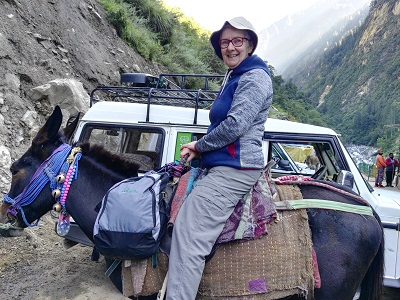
(310, 31)
(356, 84)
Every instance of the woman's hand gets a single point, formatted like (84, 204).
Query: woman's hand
(190, 150)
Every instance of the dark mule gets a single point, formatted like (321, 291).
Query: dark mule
(349, 246)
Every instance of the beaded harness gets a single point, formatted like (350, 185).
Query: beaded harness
(60, 168)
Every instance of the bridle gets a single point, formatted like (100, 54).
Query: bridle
(60, 168)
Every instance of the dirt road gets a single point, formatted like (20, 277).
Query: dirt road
(35, 266)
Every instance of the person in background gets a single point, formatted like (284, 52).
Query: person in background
(391, 165)
(380, 166)
(397, 175)
(231, 151)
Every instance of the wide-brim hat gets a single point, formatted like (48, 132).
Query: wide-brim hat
(238, 23)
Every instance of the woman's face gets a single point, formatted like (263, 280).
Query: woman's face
(233, 56)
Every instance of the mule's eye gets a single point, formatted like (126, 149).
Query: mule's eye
(14, 171)
(38, 148)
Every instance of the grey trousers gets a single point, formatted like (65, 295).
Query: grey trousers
(199, 223)
(380, 175)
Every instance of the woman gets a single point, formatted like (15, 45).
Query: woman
(231, 151)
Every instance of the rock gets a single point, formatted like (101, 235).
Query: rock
(3, 128)
(69, 94)
(12, 82)
(5, 158)
(30, 119)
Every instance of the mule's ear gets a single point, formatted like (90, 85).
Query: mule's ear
(50, 129)
(71, 126)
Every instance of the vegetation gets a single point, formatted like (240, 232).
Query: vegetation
(166, 36)
(163, 35)
(288, 98)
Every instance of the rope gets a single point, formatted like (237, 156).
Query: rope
(323, 204)
(8, 226)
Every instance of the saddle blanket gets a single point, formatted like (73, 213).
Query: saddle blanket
(251, 214)
(273, 266)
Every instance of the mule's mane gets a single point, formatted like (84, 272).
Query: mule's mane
(109, 160)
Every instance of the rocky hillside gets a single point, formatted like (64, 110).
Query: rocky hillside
(53, 52)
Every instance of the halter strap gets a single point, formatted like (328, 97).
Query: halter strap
(45, 173)
(63, 224)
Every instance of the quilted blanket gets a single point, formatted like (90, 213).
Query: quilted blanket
(251, 214)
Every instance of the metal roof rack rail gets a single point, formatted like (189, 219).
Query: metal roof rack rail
(184, 90)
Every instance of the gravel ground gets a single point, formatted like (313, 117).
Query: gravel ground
(36, 266)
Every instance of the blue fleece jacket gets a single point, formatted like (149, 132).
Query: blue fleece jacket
(237, 116)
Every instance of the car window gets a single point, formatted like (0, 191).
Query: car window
(295, 158)
(137, 144)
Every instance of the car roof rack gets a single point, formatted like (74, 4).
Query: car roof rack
(184, 90)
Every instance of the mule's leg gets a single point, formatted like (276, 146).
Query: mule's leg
(95, 255)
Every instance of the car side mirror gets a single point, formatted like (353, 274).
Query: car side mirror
(284, 164)
(345, 178)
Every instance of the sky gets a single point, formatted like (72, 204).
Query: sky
(211, 14)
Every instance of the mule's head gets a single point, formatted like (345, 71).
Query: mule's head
(48, 139)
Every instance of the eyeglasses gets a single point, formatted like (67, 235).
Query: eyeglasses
(236, 42)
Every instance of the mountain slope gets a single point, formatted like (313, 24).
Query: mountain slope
(43, 40)
(356, 85)
(308, 59)
(285, 42)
